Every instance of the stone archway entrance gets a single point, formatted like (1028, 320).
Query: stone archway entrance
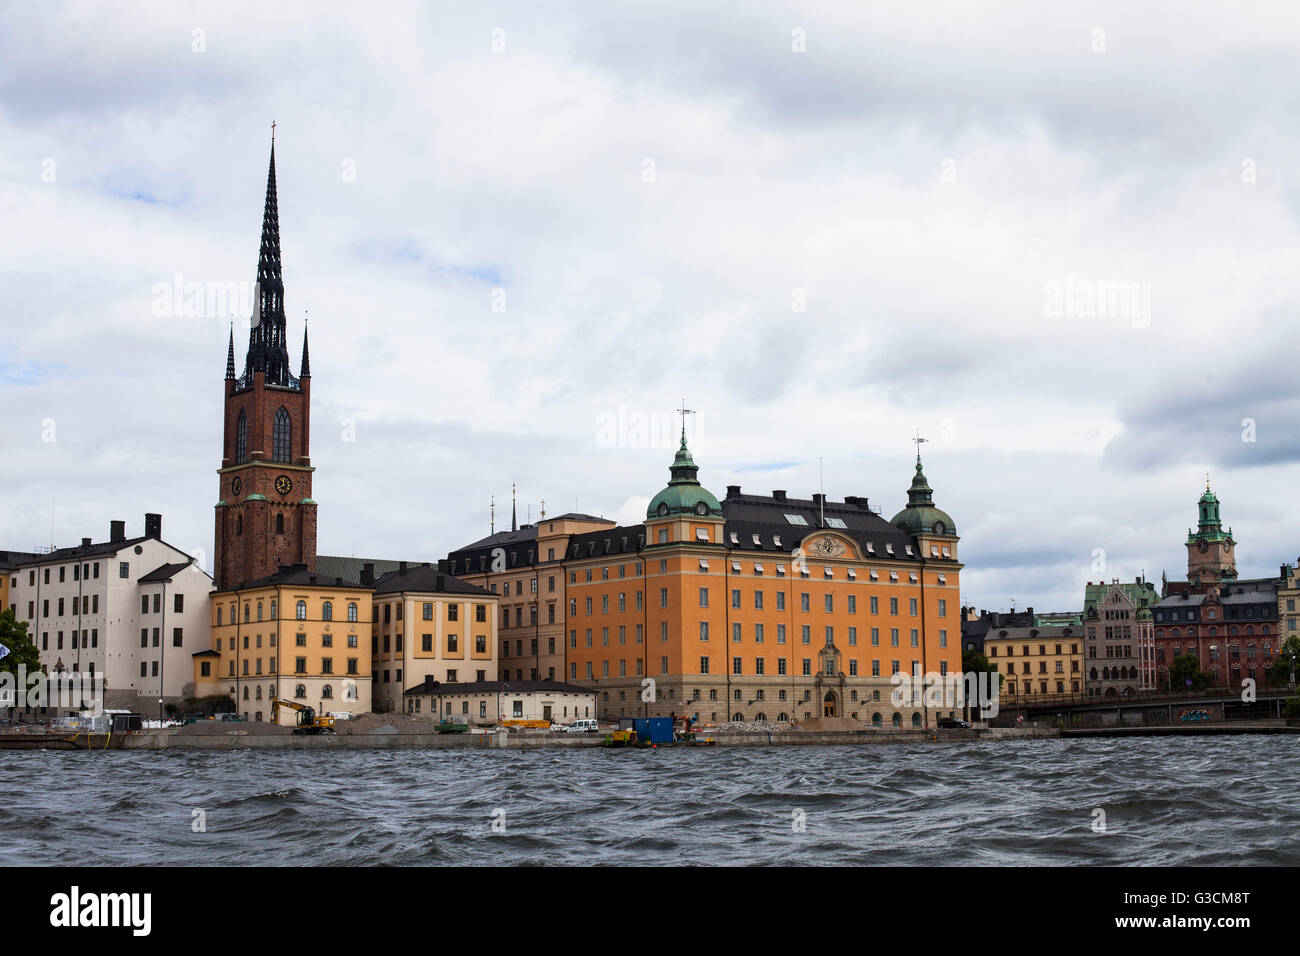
(830, 705)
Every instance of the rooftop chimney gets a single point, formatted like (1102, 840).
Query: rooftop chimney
(368, 573)
(117, 531)
(85, 542)
(779, 494)
(153, 526)
(733, 491)
(401, 566)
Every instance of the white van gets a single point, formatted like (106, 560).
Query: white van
(586, 725)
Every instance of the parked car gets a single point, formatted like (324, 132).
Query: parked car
(556, 728)
(953, 723)
(585, 725)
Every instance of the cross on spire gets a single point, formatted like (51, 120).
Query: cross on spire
(919, 441)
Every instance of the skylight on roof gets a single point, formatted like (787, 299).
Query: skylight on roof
(836, 523)
(796, 519)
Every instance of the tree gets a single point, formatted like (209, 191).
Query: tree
(1185, 674)
(973, 662)
(13, 635)
(1284, 664)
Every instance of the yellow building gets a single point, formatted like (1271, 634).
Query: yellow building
(1041, 663)
(295, 635)
(426, 626)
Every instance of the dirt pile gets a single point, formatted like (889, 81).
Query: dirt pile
(401, 723)
(238, 728)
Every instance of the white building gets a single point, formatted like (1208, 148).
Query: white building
(125, 615)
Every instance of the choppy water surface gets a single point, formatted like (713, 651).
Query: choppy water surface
(1200, 801)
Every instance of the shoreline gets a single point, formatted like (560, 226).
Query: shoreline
(227, 741)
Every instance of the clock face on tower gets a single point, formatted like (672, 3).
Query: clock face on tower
(283, 484)
(1202, 546)
(237, 485)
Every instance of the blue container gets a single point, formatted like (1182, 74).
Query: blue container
(654, 730)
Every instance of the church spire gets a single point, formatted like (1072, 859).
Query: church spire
(305, 371)
(514, 521)
(267, 350)
(230, 356)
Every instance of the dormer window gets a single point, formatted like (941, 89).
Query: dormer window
(758, 542)
(908, 549)
(735, 538)
(889, 549)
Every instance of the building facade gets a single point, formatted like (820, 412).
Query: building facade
(429, 626)
(1119, 642)
(294, 635)
(756, 607)
(487, 703)
(1040, 663)
(124, 615)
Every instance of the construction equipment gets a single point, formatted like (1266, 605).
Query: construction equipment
(308, 722)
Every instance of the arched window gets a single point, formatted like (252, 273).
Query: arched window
(877, 720)
(300, 691)
(280, 434)
(916, 720)
(258, 695)
(239, 523)
(245, 693)
(241, 439)
(738, 716)
(352, 610)
(218, 617)
(259, 610)
(302, 610)
(327, 611)
(327, 692)
(279, 524)
(273, 609)
(898, 720)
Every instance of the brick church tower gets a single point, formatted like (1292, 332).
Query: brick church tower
(265, 515)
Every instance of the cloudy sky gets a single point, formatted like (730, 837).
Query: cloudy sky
(1060, 243)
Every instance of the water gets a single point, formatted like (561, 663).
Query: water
(1198, 801)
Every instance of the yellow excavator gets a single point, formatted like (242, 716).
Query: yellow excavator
(308, 722)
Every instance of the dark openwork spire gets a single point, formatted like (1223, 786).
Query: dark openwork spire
(230, 356)
(267, 351)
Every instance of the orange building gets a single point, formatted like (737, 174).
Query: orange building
(756, 607)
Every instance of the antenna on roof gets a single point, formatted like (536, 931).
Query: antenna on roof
(493, 514)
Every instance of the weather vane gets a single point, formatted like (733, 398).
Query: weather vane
(684, 411)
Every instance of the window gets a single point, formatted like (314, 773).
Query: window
(302, 610)
(327, 611)
(280, 434)
(241, 439)
(352, 611)
(123, 569)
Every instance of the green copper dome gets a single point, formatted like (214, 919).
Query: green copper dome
(921, 515)
(684, 494)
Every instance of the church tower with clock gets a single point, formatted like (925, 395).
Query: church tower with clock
(265, 515)
(1211, 558)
